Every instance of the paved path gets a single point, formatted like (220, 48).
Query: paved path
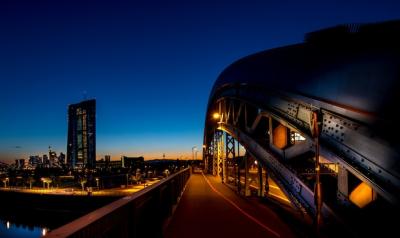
(210, 209)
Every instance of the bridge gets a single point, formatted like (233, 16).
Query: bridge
(309, 127)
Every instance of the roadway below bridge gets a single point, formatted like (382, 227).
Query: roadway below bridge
(209, 208)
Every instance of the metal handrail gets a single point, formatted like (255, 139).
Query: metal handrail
(140, 214)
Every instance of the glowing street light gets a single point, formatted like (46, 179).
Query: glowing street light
(83, 181)
(216, 115)
(194, 151)
(46, 181)
(97, 183)
(5, 181)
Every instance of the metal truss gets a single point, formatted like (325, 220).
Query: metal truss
(217, 153)
(230, 147)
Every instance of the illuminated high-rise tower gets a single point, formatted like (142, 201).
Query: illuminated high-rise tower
(81, 147)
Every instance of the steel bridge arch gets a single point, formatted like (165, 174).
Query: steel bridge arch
(299, 194)
(358, 129)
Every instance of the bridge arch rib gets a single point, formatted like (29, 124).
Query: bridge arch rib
(349, 79)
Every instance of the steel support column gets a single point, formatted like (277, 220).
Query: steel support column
(246, 176)
(266, 183)
(342, 185)
(220, 155)
(261, 182)
(318, 186)
(210, 157)
(217, 154)
(205, 158)
(229, 153)
(239, 185)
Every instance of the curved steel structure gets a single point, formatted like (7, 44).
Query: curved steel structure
(343, 81)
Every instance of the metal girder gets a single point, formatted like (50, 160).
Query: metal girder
(256, 122)
(217, 153)
(297, 191)
(205, 159)
(351, 167)
(368, 158)
(371, 159)
(230, 112)
(229, 152)
(210, 156)
(215, 156)
(349, 142)
(238, 114)
(339, 143)
(230, 146)
(296, 113)
(220, 157)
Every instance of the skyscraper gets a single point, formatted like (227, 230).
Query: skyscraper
(81, 147)
(61, 159)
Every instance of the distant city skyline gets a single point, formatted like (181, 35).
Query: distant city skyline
(11, 157)
(149, 65)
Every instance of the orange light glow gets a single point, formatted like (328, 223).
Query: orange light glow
(362, 195)
(216, 115)
(280, 137)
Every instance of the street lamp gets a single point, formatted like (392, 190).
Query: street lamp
(194, 148)
(5, 181)
(97, 183)
(83, 181)
(46, 181)
(216, 115)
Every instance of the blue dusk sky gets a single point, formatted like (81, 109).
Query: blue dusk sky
(149, 64)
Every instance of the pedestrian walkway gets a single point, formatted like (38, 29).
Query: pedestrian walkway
(210, 209)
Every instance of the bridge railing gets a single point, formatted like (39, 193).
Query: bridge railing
(143, 214)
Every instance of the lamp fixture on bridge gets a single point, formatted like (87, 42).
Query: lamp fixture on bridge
(216, 116)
